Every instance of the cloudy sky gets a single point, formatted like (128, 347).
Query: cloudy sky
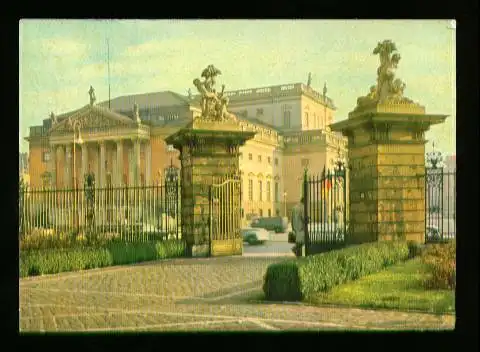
(59, 60)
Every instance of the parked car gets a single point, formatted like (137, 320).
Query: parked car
(255, 235)
(433, 234)
(276, 223)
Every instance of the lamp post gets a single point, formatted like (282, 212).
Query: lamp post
(285, 203)
(75, 125)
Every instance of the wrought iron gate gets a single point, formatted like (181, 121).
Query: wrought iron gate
(440, 204)
(224, 214)
(325, 210)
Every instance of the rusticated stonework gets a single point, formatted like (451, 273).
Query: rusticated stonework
(386, 147)
(209, 154)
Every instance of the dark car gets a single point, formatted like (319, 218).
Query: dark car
(276, 223)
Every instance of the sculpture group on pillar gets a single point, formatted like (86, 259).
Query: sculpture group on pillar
(213, 104)
(388, 89)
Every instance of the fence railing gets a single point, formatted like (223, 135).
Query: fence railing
(325, 203)
(440, 204)
(129, 213)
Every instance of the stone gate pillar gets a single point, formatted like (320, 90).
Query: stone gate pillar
(209, 151)
(386, 152)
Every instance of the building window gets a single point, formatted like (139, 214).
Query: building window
(260, 191)
(277, 212)
(46, 157)
(240, 155)
(305, 162)
(250, 157)
(269, 212)
(268, 191)
(306, 119)
(259, 158)
(269, 160)
(260, 212)
(259, 112)
(250, 189)
(276, 161)
(286, 119)
(276, 192)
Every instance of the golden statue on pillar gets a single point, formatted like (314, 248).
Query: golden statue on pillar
(213, 104)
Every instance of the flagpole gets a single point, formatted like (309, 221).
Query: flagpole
(108, 65)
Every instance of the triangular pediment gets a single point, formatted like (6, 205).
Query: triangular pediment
(92, 116)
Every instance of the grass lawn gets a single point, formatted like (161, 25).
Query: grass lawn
(398, 287)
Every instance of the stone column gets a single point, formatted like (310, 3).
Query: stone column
(119, 166)
(130, 167)
(148, 163)
(53, 165)
(102, 171)
(136, 150)
(84, 163)
(67, 176)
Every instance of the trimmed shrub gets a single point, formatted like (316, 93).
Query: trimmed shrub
(298, 279)
(52, 261)
(440, 260)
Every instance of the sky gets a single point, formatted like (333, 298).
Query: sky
(60, 59)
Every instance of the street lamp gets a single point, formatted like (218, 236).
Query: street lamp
(75, 125)
(285, 203)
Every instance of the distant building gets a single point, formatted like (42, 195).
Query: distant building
(292, 134)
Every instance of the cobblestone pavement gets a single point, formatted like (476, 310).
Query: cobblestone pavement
(188, 295)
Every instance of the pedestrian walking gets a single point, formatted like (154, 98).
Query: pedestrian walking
(298, 219)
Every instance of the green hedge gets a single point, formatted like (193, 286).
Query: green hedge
(51, 261)
(294, 280)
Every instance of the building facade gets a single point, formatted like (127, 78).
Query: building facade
(122, 141)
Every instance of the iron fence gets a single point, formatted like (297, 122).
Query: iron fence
(129, 213)
(440, 204)
(325, 203)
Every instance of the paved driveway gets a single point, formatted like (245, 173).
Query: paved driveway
(186, 295)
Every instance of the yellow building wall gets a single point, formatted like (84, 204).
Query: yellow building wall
(36, 166)
(319, 116)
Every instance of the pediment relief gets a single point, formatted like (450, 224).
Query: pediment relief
(92, 117)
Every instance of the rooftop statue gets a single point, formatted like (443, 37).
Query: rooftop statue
(136, 114)
(213, 104)
(53, 118)
(91, 92)
(388, 89)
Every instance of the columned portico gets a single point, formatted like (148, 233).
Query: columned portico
(101, 167)
(136, 155)
(119, 163)
(67, 178)
(84, 162)
(107, 141)
(148, 163)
